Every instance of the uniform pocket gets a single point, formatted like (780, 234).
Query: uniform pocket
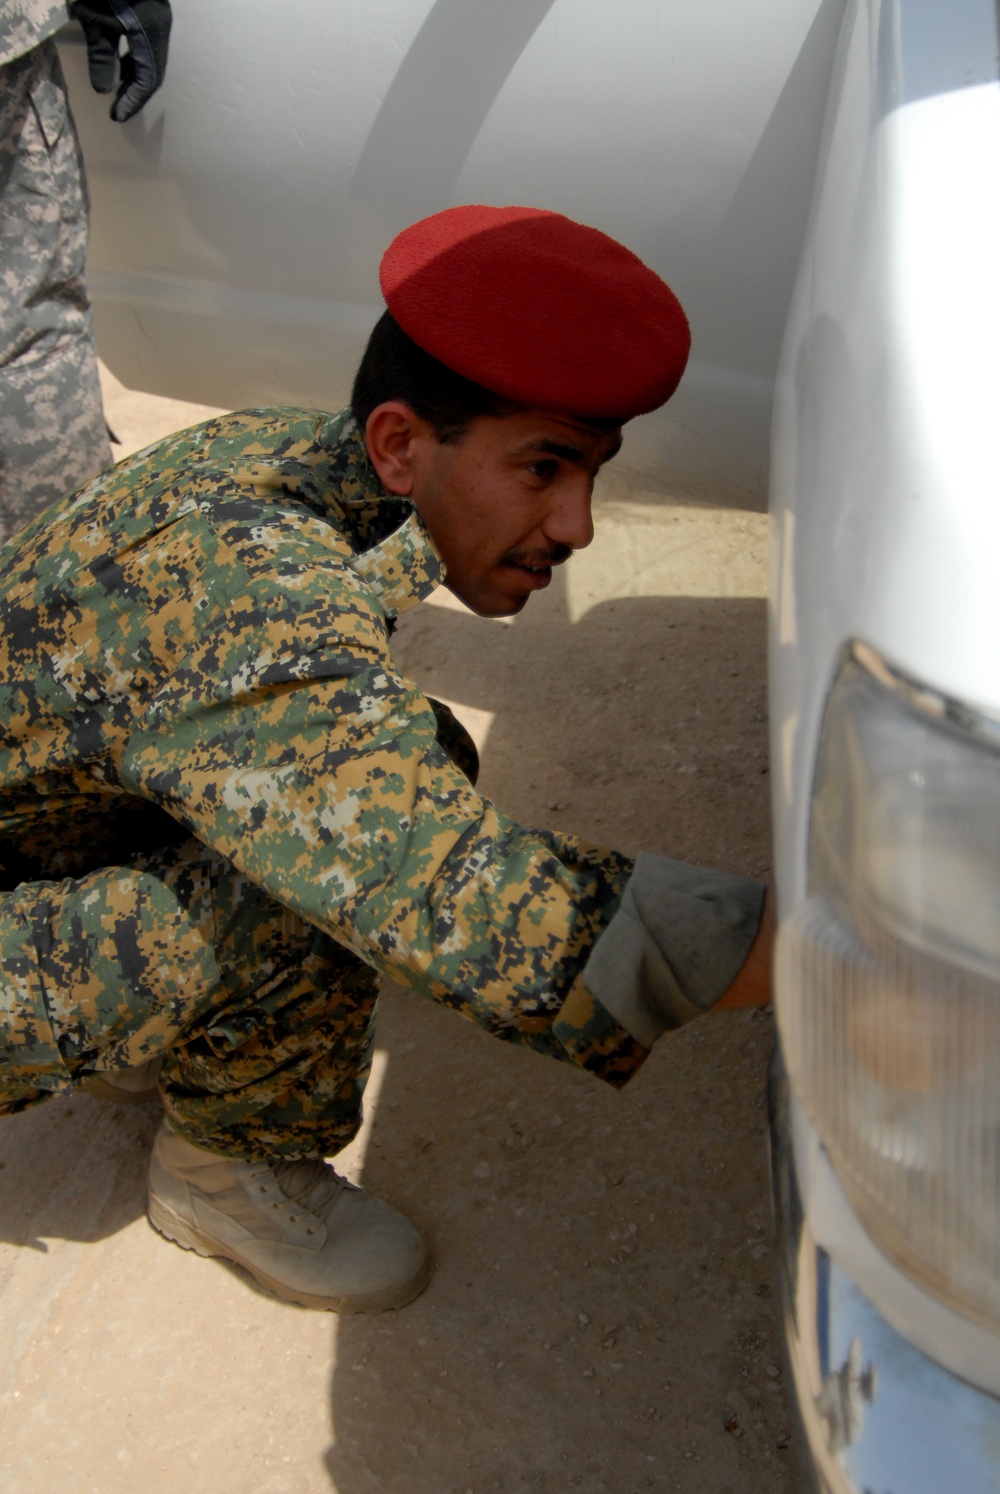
(48, 103)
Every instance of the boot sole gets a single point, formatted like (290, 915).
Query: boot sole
(188, 1237)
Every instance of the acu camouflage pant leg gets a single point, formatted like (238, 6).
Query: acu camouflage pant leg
(265, 1023)
(52, 432)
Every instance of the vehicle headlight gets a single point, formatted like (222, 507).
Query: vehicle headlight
(889, 977)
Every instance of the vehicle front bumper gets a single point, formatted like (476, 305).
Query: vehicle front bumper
(878, 1415)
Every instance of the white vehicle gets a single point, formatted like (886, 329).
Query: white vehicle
(238, 223)
(886, 750)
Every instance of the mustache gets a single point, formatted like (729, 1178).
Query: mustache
(555, 555)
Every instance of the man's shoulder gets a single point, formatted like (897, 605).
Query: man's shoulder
(274, 513)
(243, 468)
(238, 490)
(271, 439)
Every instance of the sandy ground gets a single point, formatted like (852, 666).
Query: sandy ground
(602, 1314)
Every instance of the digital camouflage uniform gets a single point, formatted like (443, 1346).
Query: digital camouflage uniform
(228, 814)
(52, 431)
(223, 815)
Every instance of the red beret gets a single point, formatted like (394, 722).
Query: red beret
(539, 309)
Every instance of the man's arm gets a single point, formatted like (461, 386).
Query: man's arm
(333, 794)
(285, 740)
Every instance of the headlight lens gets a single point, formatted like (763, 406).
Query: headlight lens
(889, 978)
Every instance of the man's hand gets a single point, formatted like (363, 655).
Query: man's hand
(752, 986)
(145, 25)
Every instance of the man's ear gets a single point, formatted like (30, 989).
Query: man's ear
(395, 435)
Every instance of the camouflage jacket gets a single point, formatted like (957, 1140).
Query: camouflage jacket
(25, 23)
(198, 642)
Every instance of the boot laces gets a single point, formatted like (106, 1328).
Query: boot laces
(307, 1186)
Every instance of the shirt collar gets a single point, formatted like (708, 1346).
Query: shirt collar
(402, 569)
(398, 558)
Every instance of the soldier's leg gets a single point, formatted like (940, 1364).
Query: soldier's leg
(264, 1023)
(276, 1064)
(265, 1028)
(52, 432)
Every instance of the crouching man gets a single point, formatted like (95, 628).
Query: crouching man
(223, 814)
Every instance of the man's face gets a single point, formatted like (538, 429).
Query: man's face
(507, 501)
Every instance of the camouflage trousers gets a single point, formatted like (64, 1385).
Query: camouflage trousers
(52, 432)
(265, 1023)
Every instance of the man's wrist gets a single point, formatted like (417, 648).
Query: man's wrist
(753, 983)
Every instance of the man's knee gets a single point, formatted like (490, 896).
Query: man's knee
(260, 1015)
(118, 963)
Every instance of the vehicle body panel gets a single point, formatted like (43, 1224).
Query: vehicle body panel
(238, 221)
(883, 496)
(885, 530)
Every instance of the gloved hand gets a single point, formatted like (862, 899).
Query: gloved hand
(145, 25)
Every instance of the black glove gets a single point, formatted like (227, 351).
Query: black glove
(145, 25)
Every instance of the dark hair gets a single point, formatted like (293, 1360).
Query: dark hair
(394, 367)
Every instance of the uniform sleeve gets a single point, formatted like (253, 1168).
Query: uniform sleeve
(318, 771)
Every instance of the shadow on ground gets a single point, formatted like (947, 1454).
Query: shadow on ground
(73, 1168)
(601, 1315)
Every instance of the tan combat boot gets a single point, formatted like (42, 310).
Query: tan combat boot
(298, 1228)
